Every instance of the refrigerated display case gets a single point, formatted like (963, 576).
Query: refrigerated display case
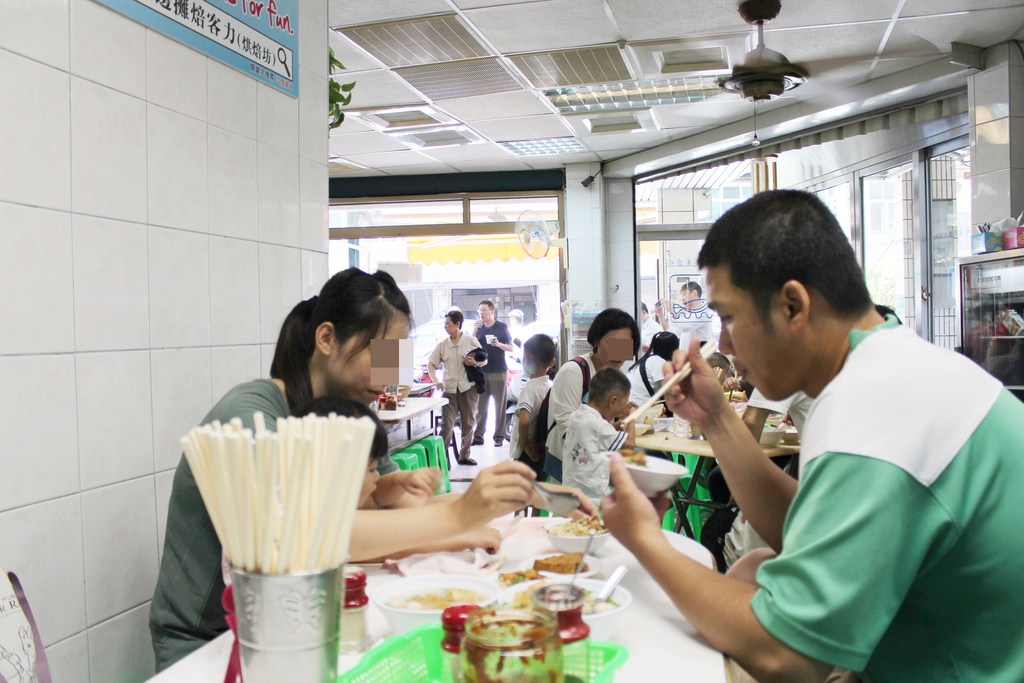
(992, 313)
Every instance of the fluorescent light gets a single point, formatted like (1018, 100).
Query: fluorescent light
(633, 94)
(531, 148)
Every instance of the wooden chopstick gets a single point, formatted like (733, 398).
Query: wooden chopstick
(705, 352)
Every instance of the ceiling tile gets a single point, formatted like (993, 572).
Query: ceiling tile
(914, 8)
(675, 19)
(355, 174)
(351, 125)
(891, 66)
(381, 89)
(548, 25)
(484, 150)
(349, 54)
(510, 164)
(701, 113)
(608, 155)
(364, 143)
(524, 128)
(824, 13)
(497, 106)
(981, 27)
(347, 13)
(826, 42)
(457, 80)
(625, 140)
(559, 160)
(680, 133)
(420, 169)
(476, 4)
(388, 160)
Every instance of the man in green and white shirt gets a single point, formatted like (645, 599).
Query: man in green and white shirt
(899, 554)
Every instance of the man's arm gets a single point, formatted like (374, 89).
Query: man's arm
(762, 490)
(718, 606)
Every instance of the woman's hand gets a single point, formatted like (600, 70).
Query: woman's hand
(420, 482)
(479, 537)
(496, 491)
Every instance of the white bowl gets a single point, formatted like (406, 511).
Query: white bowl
(402, 619)
(791, 437)
(602, 624)
(574, 544)
(594, 566)
(770, 438)
(656, 475)
(641, 428)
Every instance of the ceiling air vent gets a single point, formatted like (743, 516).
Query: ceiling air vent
(439, 82)
(534, 148)
(403, 117)
(573, 67)
(338, 164)
(444, 136)
(429, 40)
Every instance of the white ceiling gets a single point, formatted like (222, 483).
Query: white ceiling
(862, 55)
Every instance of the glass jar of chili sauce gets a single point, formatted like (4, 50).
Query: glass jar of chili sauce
(508, 645)
(567, 602)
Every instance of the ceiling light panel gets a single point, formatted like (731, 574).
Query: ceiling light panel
(530, 148)
(633, 94)
(440, 82)
(573, 67)
(418, 41)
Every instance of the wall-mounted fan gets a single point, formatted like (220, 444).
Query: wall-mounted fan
(764, 73)
(534, 233)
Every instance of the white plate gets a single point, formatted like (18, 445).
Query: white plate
(594, 566)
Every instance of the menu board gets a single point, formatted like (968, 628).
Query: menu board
(257, 37)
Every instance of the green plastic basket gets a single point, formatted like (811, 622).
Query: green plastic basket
(415, 657)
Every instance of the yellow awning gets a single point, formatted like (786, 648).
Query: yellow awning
(468, 248)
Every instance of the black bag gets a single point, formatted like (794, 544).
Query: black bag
(540, 435)
(714, 530)
(474, 373)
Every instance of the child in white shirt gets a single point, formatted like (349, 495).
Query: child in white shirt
(538, 357)
(593, 429)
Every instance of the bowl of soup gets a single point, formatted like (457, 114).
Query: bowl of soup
(414, 600)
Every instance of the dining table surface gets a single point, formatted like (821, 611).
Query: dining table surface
(667, 441)
(662, 644)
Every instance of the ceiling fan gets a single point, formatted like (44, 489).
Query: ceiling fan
(764, 74)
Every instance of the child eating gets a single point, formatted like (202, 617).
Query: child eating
(593, 429)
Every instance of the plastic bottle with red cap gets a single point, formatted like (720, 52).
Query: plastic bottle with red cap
(354, 634)
(453, 621)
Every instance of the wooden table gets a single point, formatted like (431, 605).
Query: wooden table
(683, 496)
(662, 644)
(666, 441)
(411, 421)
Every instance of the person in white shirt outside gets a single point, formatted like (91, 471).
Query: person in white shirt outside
(495, 339)
(454, 354)
(538, 357)
(650, 367)
(593, 430)
(693, 319)
(614, 338)
(650, 325)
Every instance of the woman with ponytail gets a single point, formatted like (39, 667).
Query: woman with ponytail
(323, 349)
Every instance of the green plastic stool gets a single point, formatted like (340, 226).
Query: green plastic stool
(436, 457)
(420, 453)
(668, 522)
(406, 460)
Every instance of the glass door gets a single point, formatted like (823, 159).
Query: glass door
(888, 219)
(949, 211)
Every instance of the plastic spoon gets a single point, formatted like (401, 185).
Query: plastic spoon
(609, 586)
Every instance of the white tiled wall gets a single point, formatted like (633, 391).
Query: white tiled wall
(159, 215)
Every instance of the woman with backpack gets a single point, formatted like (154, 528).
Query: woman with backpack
(646, 375)
(615, 338)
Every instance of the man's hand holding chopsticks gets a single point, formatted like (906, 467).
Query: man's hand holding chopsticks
(699, 397)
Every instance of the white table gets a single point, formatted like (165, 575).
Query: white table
(662, 644)
(411, 421)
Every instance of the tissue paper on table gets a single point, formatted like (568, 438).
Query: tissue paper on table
(474, 563)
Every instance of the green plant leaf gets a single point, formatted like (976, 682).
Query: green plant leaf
(347, 87)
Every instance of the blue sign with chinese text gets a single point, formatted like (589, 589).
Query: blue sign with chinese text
(260, 38)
